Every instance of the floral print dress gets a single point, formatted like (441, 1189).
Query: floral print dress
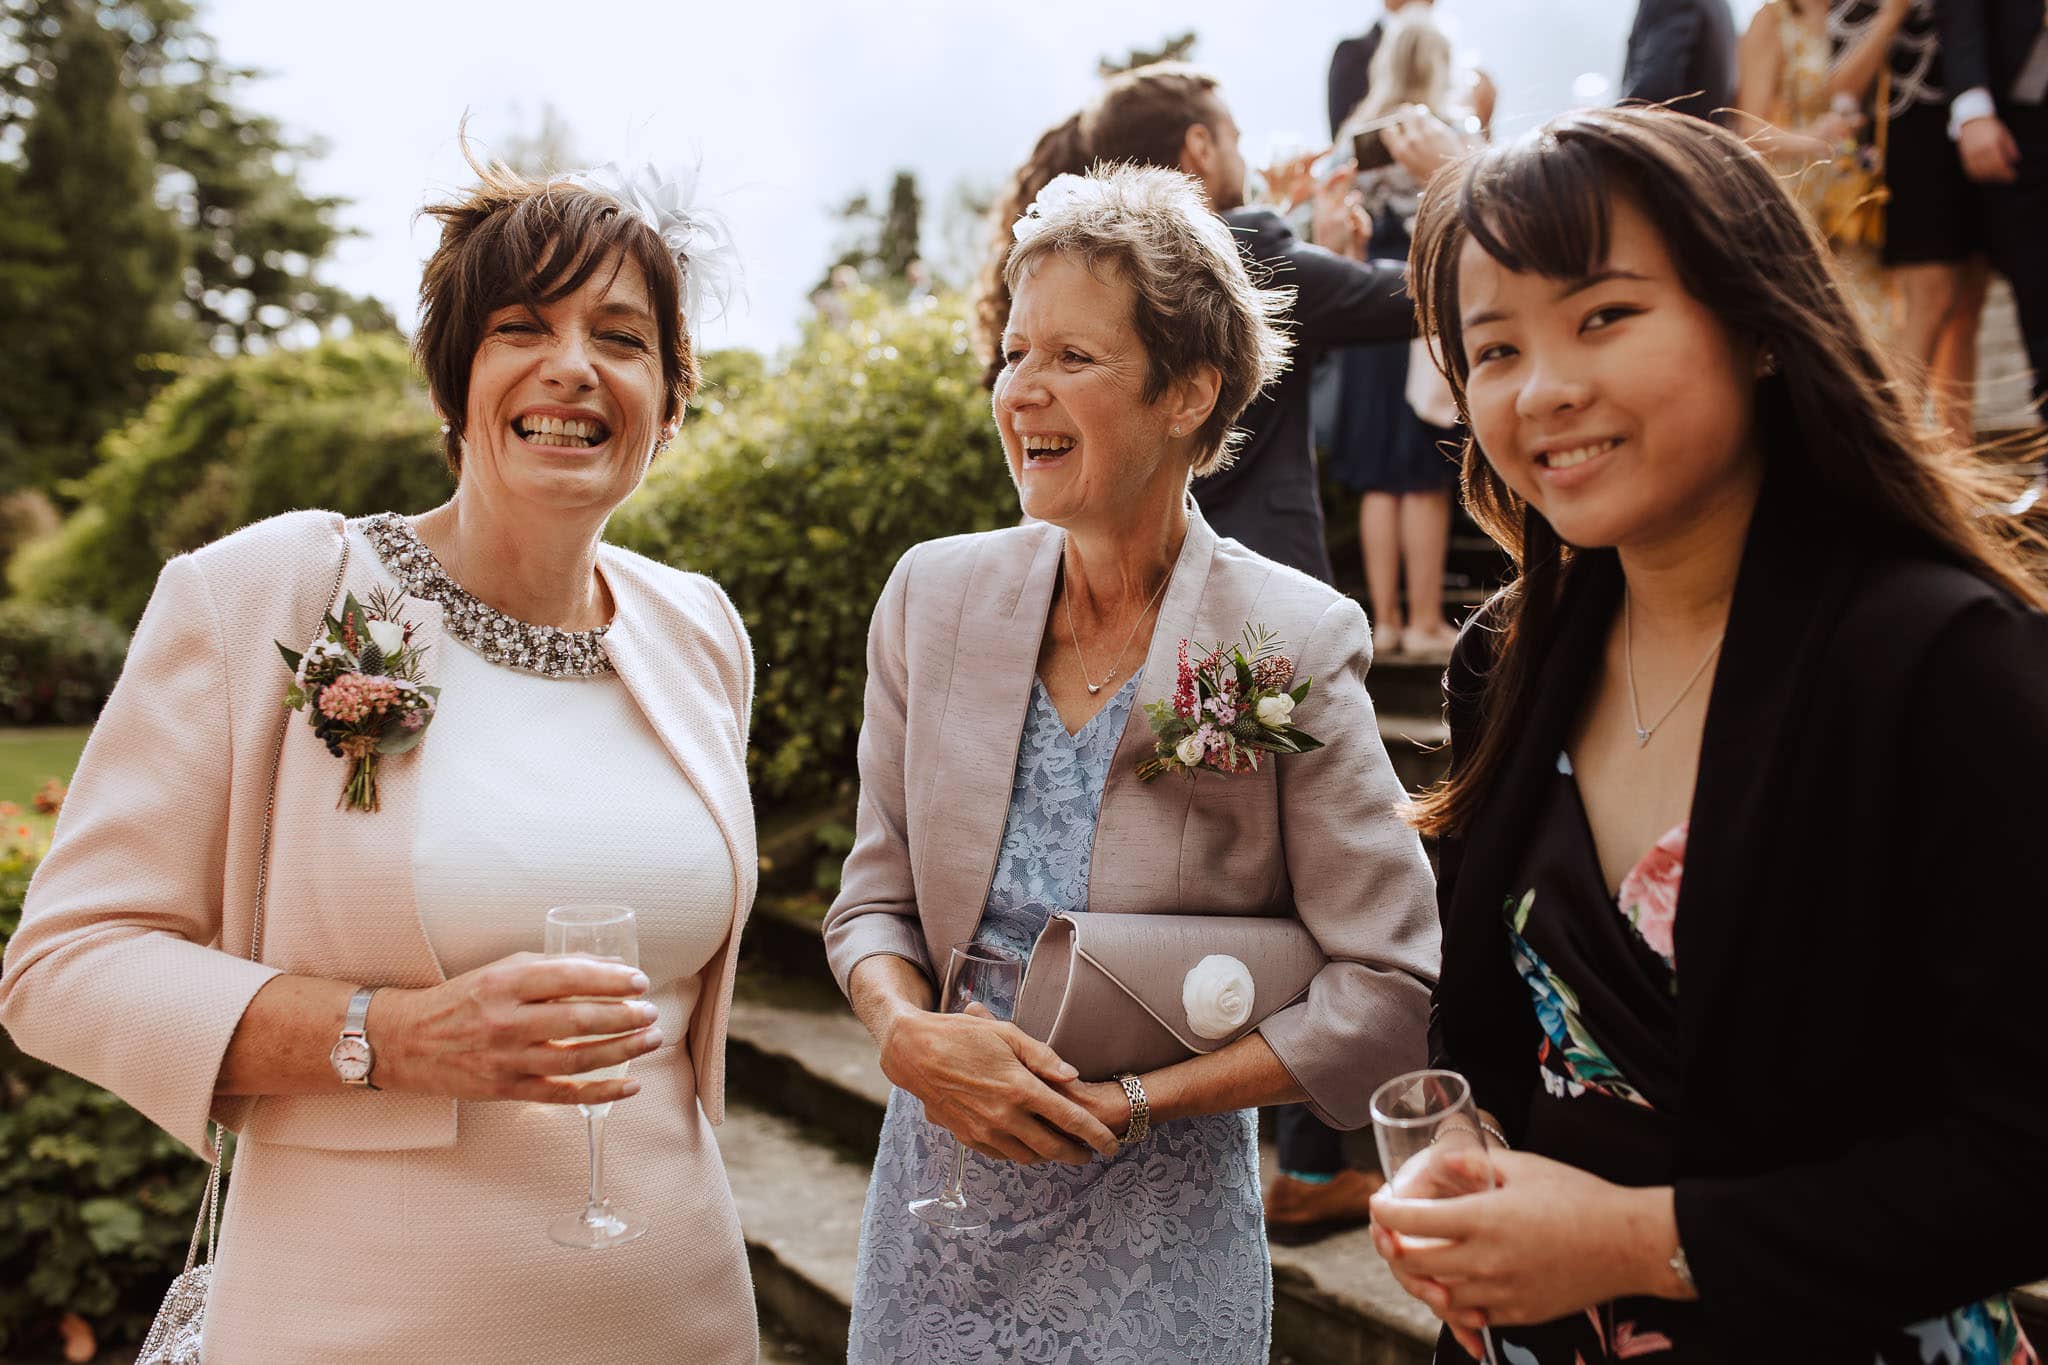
(1602, 975)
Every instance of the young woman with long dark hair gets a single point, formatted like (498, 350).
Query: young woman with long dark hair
(1742, 854)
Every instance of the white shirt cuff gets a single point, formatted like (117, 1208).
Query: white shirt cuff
(1974, 103)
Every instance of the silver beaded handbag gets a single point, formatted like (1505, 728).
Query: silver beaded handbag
(174, 1337)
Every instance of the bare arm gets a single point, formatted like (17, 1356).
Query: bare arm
(982, 1079)
(1245, 1075)
(1856, 69)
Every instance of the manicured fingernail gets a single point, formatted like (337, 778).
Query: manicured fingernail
(653, 1037)
(632, 1087)
(646, 1010)
(640, 981)
(1069, 1072)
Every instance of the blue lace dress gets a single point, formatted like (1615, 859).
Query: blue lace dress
(1155, 1254)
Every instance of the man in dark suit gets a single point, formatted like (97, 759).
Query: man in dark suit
(1682, 52)
(1172, 115)
(1995, 53)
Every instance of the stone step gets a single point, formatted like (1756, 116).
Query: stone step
(809, 1096)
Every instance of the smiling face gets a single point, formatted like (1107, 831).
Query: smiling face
(1084, 445)
(565, 403)
(1618, 405)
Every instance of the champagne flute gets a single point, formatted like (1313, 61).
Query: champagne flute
(976, 974)
(608, 934)
(1431, 1145)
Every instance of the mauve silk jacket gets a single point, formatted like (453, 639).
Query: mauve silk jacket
(952, 654)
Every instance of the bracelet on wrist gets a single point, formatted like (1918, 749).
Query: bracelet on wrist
(1141, 1111)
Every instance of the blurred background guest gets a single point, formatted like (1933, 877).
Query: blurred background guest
(1996, 55)
(1933, 248)
(1803, 107)
(1682, 53)
(1380, 446)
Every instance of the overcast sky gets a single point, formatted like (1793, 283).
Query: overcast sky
(795, 106)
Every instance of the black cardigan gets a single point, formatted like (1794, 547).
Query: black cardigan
(1863, 1121)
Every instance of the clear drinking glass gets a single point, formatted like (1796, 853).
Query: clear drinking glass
(1431, 1144)
(609, 934)
(976, 974)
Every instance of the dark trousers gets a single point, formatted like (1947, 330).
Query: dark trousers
(1308, 1146)
(2016, 225)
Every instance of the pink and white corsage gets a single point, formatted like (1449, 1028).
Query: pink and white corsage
(1229, 711)
(359, 684)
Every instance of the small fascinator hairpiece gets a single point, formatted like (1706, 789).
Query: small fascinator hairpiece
(697, 237)
(1059, 192)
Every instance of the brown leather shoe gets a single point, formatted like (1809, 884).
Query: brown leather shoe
(1298, 1211)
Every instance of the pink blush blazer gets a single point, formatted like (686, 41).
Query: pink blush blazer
(952, 653)
(131, 965)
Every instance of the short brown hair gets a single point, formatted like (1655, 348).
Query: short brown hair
(1193, 300)
(1143, 115)
(514, 240)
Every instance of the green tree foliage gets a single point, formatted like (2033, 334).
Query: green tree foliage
(96, 1202)
(57, 664)
(228, 176)
(1178, 47)
(881, 244)
(86, 253)
(800, 497)
(343, 425)
(145, 212)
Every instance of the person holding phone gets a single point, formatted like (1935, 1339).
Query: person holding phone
(1394, 451)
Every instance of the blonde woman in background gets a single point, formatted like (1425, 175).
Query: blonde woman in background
(1389, 438)
(1805, 107)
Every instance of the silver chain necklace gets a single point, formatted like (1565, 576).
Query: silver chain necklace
(1074, 635)
(1628, 645)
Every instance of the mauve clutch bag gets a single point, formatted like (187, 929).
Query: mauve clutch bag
(1110, 993)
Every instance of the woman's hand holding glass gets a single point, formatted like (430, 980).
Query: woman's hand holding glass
(992, 1086)
(496, 1033)
(1548, 1241)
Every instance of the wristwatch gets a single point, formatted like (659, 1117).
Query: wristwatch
(352, 1057)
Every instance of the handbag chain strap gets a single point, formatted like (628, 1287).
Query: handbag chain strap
(209, 1208)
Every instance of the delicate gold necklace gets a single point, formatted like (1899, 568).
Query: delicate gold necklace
(1628, 646)
(1075, 636)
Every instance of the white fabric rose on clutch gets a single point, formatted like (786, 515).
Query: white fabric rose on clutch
(1217, 994)
(1276, 710)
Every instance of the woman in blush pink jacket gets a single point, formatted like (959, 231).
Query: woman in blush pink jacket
(588, 746)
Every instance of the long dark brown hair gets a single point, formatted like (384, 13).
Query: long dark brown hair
(1742, 247)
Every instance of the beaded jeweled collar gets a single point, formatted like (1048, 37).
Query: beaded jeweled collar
(502, 639)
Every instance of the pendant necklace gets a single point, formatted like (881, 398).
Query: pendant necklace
(1072, 634)
(1628, 645)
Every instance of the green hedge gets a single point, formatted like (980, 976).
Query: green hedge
(344, 424)
(96, 1202)
(800, 496)
(57, 664)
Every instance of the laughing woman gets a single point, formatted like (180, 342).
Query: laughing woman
(999, 760)
(1742, 938)
(351, 989)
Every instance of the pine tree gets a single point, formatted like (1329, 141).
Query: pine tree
(253, 235)
(1176, 48)
(89, 264)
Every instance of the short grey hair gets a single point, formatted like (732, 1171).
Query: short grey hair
(1194, 300)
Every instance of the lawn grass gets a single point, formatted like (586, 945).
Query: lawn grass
(31, 757)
